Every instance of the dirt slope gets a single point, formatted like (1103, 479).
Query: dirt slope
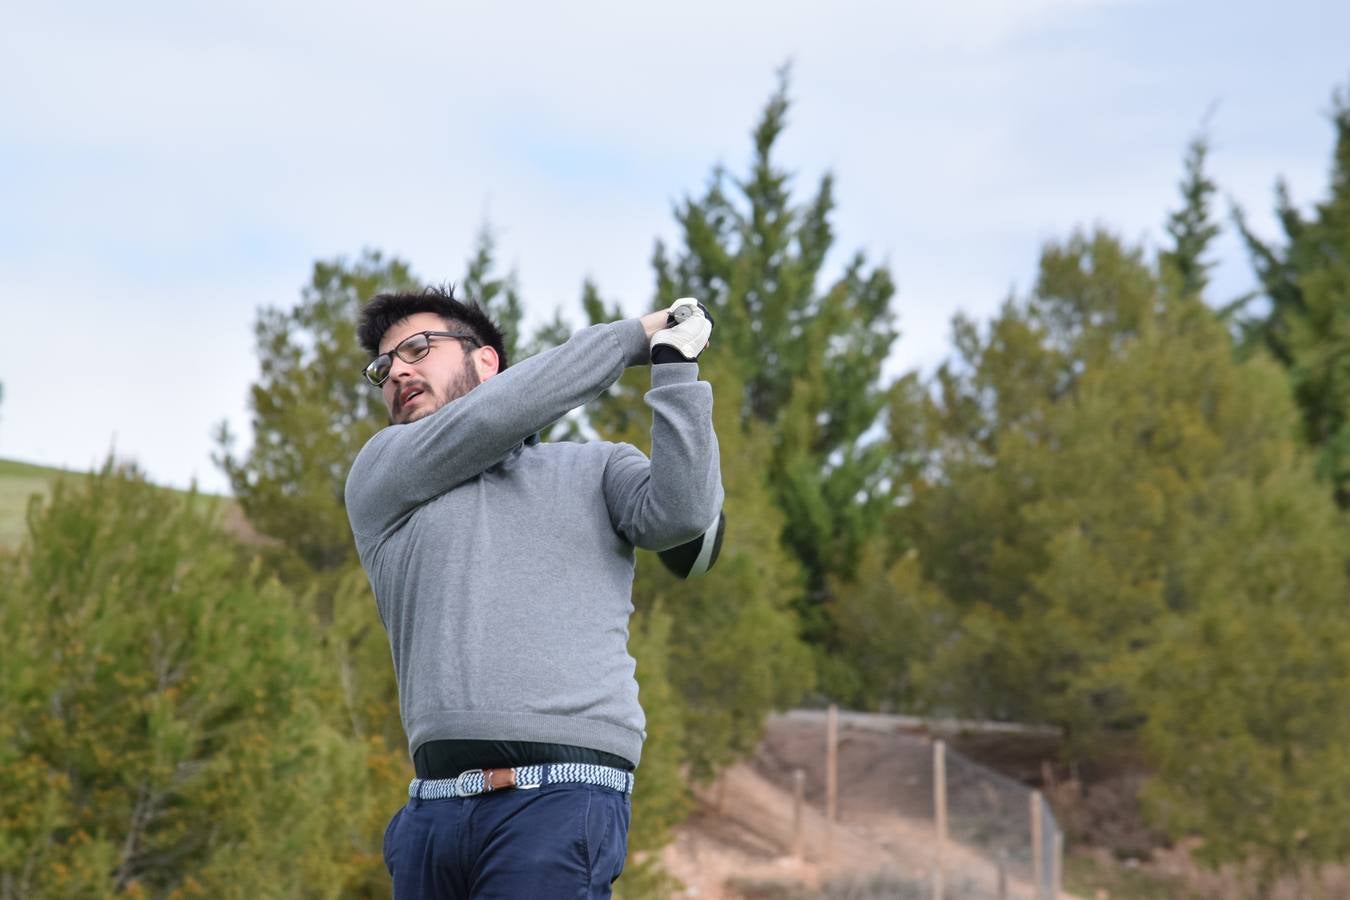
(739, 842)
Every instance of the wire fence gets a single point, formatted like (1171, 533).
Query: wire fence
(945, 825)
(1008, 824)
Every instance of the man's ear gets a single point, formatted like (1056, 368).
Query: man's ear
(486, 362)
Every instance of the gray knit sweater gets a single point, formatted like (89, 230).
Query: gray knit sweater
(503, 567)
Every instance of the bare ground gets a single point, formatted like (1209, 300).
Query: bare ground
(739, 843)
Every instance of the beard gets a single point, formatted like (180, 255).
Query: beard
(463, 381)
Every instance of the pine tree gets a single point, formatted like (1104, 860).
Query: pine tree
(160, 724)
(1092, 296)
(1246, 720)
(808, 356)
(661, 799)
(888, 618)
(1307, 324)
(1124, 520)
(1192, 227)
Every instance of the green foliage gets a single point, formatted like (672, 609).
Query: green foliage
(1247, 719)
(1192, 227)
(1307, 324)
(361, 703)
(160, 723)
(796, 372)
(660, 800)
(735, 653)
(1134, 541)
(887, 621)
(312, 413)
(1093, 296)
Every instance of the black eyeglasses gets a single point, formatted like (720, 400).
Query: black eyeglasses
(410, 350)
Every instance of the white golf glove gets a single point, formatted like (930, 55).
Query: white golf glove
(686, 335)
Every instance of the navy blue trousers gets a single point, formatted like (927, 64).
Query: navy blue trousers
(560, 840)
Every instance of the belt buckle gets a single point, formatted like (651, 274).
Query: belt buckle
(462, 791)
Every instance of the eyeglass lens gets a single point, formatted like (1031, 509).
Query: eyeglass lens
(410, 351)
(414, 348)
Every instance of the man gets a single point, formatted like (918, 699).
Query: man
(502, 568)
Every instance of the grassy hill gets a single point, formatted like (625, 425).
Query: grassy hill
(19, 481)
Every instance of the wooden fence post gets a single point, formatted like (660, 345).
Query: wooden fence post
(1057, 864)
(1037, 845)
(798, 811)
(940, 816)
(831, 777)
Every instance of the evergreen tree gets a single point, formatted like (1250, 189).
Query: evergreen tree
(1307, 324)
(808, 357)
(888, 620)
(1093, 296)
(1192, 227)
(1247, 723)
(1125, 525)
(965, 515)
(160, 724)
(660, 798)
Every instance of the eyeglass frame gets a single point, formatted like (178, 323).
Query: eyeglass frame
(458, 335)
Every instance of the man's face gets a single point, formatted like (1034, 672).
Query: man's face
(450, 369)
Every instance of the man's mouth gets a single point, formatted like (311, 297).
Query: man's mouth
(409, 395)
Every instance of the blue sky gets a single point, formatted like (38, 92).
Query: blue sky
(168, 168)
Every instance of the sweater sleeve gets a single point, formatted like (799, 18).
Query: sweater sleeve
(404, 466)
(673, 497)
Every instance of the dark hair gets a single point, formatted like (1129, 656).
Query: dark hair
(384, 310)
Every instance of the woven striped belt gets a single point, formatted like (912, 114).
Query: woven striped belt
(476, 781)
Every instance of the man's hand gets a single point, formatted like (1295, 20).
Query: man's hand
(688, 325)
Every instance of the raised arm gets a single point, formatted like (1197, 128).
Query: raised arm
(676, 496)
(403, 466)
